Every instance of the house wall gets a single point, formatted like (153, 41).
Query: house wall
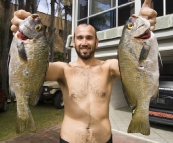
(59, 24)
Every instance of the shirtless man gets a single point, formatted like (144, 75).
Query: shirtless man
(86, 85)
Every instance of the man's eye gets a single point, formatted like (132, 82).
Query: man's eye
(89, 37)
(79, 38)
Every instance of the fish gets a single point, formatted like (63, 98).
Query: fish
(139, 63)
(28, 63)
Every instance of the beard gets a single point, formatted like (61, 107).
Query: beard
(85, 56)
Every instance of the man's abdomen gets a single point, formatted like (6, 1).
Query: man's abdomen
(78, 131)
(86, 121)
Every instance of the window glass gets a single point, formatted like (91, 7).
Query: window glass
(124, 13)
(169, 6)
(104, 21)
(100, 5)
(157, 5)
(83, 9)
(114, 3)
(83, 21)
(120, 2)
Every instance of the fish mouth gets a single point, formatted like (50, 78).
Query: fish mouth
(20, 35)
(145, 35)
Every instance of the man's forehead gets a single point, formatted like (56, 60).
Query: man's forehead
(84, 29)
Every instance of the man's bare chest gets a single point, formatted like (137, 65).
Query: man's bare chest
(87, 82)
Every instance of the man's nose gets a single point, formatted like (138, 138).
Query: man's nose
(84, 41)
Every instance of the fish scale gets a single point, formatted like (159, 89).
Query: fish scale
(138, 57)
(28, 64)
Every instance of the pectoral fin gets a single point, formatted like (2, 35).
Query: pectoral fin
(144, 52)
(21, 51)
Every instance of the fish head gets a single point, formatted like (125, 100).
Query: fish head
(31, 28)
(137, 27)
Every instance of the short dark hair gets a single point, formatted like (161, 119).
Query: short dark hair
(86, 24)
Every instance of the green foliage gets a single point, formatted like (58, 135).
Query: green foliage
(58, 56)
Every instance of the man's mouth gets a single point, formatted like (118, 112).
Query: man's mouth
(145, 35)
(84, 49)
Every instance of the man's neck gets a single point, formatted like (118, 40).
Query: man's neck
(87, 63)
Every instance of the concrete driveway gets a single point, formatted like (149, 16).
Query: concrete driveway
(120, 119)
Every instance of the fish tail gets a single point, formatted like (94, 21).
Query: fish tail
(25, 120)
(140, 123)
(23, 124)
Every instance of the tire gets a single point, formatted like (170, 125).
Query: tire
(58, 100)
(5, 106)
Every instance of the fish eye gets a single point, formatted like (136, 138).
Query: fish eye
(130, 26)
(38, 27)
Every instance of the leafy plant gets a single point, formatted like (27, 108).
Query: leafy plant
(58, 56)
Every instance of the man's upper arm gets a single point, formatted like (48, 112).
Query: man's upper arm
(55, 71)
(114, 68)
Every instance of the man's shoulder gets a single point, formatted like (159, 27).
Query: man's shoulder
(59, 65)
(111, 61)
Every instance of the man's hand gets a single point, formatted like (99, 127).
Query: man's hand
(148, 13)
(18, 17)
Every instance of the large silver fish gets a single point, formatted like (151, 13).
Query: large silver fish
(139, 58)
(28, 63)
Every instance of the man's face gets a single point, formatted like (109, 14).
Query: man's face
(85, 41)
